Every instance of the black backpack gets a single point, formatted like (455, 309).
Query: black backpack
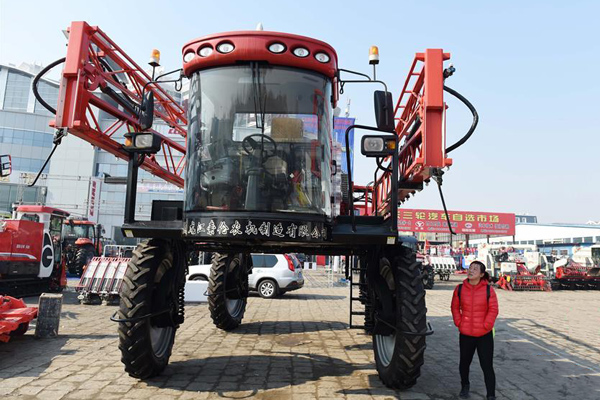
(487, 289)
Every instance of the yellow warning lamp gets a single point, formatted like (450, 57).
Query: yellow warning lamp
(155, 58)
(374, 55)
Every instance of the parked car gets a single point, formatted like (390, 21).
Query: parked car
(272, 274)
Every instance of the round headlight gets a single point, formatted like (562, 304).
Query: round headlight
(301, 52)
(322, 57)
(188, 56)
(225, 47)
(205, 51)
(277, 48)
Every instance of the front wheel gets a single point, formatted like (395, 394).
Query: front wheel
(150, 302)
(399, 352)
(227, 290)
(82, 259)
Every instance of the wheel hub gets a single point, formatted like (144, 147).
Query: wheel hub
(385, 348)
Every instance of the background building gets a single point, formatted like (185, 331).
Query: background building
(24, 132)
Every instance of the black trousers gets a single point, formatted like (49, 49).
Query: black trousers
(485, 350)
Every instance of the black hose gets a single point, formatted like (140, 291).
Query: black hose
(36, 81)
(445, 209)
(473, 125)
(43, 166)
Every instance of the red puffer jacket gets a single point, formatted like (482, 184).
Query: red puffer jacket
(473, 316)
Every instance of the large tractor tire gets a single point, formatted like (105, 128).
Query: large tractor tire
(227, 290)
(151, 308)
(399, 352)
(82, 259)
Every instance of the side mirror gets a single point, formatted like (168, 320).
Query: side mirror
(147, 111)
(5, 165)
(384, 111)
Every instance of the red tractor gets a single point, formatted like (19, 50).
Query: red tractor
(30, 251)
(259, 173)
(81, 243)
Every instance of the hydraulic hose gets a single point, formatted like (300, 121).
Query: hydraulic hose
(473, 125)
(36, 81)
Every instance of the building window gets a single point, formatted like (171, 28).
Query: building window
(50, 95)
(17, 91)
(588, 239)
(577, 240)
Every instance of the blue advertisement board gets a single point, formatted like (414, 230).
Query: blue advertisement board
(339, 131)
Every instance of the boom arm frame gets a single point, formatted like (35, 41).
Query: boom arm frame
(96, 65)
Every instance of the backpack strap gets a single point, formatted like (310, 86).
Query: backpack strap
(487, 288)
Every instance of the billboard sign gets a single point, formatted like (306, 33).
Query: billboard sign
(462, 222)
(94, 199)
(339, 135)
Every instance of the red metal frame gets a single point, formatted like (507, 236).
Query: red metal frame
(13, 314)
(420, 150)
(253, 46)
(83, 75)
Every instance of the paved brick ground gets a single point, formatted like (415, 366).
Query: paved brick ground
(298, 346)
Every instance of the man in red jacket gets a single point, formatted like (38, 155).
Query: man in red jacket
(474, 309)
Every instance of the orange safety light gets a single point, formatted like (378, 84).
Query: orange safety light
(374, 55)
(155, 58)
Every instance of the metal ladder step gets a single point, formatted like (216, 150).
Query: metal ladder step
(357, 327)
(358, 313)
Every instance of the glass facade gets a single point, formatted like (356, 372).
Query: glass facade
(18, 86)
(24, 130)
(50, 95)
(13, 193)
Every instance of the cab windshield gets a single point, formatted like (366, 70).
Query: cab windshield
(259, 140)
(77, 231)
(596, 255)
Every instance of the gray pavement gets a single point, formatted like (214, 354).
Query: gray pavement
(298, 346)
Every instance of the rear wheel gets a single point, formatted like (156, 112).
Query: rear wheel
(21, 329)
(268, 289)
(151, 300)
(427, 276)
(227, 290)
(82, 258)
(398, 354)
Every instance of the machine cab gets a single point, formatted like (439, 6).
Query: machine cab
(47, 231)
(259, 136)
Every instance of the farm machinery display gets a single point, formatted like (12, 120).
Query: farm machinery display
(30, 251)
(258, 170)
(81, 242)
(523, 267)
(516, 267)
(15, 317)
(581, 271)
(102, 280)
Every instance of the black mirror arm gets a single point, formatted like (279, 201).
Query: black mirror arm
(369, 80)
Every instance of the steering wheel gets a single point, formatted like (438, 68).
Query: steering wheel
(250, 145)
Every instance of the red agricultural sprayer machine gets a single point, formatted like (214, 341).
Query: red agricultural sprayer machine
(257, 172)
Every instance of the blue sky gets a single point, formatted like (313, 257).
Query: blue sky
(529, 67)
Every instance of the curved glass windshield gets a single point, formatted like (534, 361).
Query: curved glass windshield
(259, 140)
(77, 231)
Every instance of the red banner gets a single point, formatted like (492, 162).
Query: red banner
(465, 222)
